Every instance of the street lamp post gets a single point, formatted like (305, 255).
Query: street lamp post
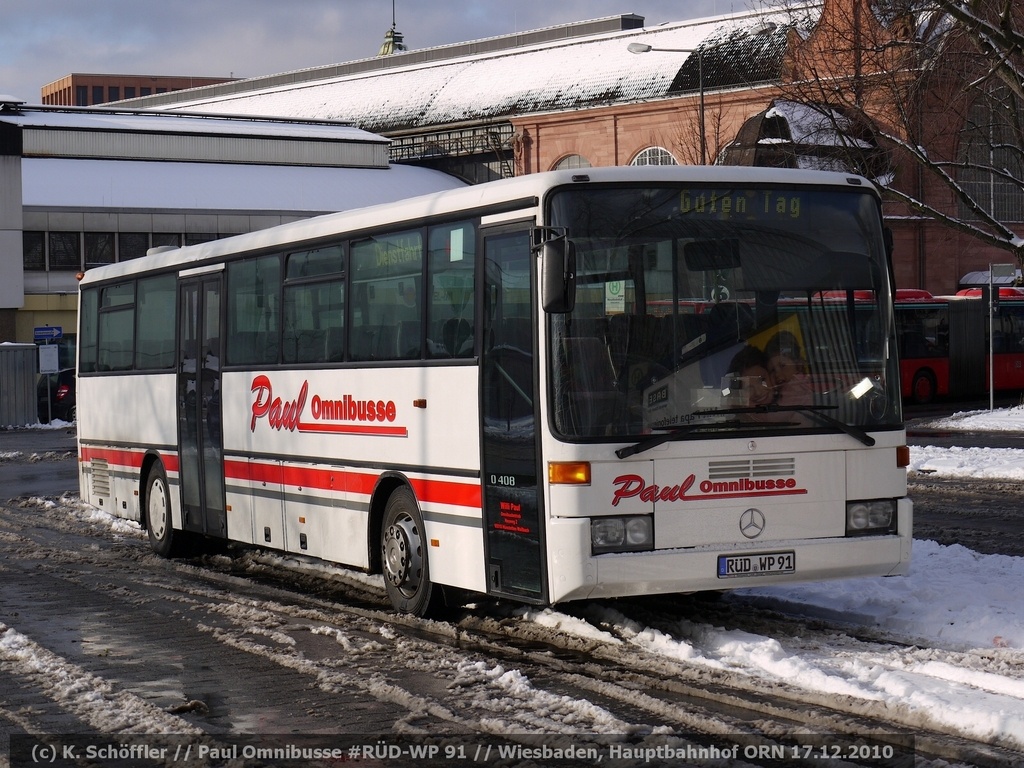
(644, 48)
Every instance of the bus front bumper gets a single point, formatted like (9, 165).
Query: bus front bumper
(576, 574)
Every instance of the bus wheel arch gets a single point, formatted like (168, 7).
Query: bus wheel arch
(403, 555)
(923, 386)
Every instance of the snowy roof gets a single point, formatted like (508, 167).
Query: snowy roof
(552, 76)
(141, 185)
(816, 124)
(116, 120)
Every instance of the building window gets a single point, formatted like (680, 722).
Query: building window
(129, 91)
(145, 90)
(654, 156)
(113, 93)
(81, 95)
(97, 94)
(34, 251)
(65, 250)
(989, 142)
(99, 248)
(164, 239)
(132, 245)
(572, 161)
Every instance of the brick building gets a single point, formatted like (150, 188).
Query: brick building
(88, 90)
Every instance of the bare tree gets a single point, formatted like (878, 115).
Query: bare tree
(940, 84)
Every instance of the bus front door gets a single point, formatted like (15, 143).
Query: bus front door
(512, 515)
(200, 447)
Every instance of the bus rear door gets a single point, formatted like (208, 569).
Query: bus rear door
(200, 446)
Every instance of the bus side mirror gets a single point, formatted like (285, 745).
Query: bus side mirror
(558, 275)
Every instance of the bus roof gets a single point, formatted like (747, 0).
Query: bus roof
(522, 192)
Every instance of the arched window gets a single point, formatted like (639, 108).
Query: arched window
(654, 156)
(990, 140)
(572, 161)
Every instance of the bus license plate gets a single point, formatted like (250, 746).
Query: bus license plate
(760, 564)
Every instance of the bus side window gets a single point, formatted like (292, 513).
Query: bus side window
(450, 276)
(387, 291)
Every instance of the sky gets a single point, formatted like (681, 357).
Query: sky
(44, 40)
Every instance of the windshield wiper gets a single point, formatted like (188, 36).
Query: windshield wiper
(815, 411)
(673, 433)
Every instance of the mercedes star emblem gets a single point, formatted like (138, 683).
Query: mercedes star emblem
(752, 523)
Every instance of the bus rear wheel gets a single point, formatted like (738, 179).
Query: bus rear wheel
(923, 387)
(164, 540)
(404, 557)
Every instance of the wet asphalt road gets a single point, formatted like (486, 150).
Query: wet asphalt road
(38, 462)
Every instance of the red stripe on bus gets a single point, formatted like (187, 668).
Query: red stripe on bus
(132, 459)
(358, 483)
(446, 492)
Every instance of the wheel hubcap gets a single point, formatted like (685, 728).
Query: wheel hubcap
(157, 510)
(403, 561)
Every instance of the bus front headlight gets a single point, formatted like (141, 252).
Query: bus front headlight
(621, 534)
(867, 517)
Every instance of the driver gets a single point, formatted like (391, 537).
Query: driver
(750, 365)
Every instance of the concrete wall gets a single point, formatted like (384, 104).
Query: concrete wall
(12, 284)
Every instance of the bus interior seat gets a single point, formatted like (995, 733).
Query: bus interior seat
(638, 347)
(729, 325)
(588, 390)
(457, 336)
(334, 344)
(373, 343)
(309, 345)
(364, 343)
(408, 342)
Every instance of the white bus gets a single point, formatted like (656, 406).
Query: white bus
(532, 389)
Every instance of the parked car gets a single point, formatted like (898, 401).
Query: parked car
(62, 396)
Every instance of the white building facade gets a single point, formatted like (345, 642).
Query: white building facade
(80, 187)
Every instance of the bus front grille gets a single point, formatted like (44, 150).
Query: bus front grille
(752, 468)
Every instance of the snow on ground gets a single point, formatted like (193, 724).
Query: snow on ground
(987, 463)
(956, 623)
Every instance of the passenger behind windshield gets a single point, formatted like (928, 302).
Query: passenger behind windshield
(749, 381)
(774, 376)
(789, 370)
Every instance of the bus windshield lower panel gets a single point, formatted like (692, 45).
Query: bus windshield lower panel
(715, 309)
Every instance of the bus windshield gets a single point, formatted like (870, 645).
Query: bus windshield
(705, 310)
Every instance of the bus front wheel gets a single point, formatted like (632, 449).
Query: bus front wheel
(159, 525)
(403, 544)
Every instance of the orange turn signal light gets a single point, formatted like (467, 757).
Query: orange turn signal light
(569, 472)
(903, 456)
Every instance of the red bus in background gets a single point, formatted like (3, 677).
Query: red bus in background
(943, 343)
